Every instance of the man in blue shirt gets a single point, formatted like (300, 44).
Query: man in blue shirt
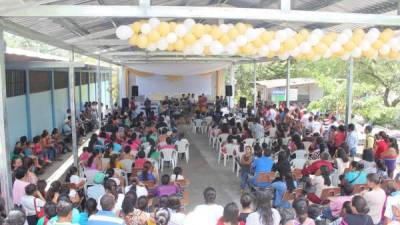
(106, 216)
(262, 165)
(352, 140)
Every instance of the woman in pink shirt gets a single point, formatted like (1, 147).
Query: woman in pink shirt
(21, 181)
(168, 144)
(166, 188)
(139, 162)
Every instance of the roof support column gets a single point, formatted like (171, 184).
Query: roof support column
(5, 166)
(122, 85)
(232, 83)
(287, 83)
(285, 5)
(110, 86)
(53, 107)
(349, 90)
(255, 87)
(71, 88)
(98, 80)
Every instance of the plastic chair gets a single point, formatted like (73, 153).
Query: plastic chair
(237, 162)
(221, 139)
(301, 154)
(183, 148)
(249, 142)
(197, 125)
(307, 145)
(231, 150)
(89, 174)
(168, 155)
(127, 163)
(298, 163)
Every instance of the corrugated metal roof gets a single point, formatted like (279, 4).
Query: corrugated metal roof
(282, 82)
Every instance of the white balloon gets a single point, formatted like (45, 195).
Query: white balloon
(206, 39)
(171, 37)
(154, 22)
(274, 45)
(251, 34)
(224, 28)
(327, 54)
(336, 47)
(343, 38)
(188, 50)
(198, 48)
(231, 48)
(365, 45)
(317, 32)
(396, 48)
(290, 32)
(394, 42)
(152, 47)
(316, 58)
(146, 28)
(313, 39)
(281, 35)
(230, 25)
(284, 56)
(356, 52)
(189, 23)
(345, 56)
(180, 30)
(295, 52)
(124, 32)
(162, 44)
(305, 47)
(348, 32)
(241, 40)
(373, 35)
(385, 49)
(264, 50)
(216, 48)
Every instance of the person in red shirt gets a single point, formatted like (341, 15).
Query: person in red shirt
(381, 145)
(324, 161)
(230, 215)
(340, 136)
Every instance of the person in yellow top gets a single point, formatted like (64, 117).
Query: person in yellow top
(369, 138)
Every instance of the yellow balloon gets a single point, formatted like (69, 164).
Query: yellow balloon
(224, 39)
(290, 44)
(258, 43)
(163, 28)
(171, 47)
(320, 48)
(189, 39)
(310, 55)
(198, 30)
(247, 49)
(359, 31)
(271, 54)
(215, 33)
(349, 46)
(206, 50)
(179, 45)
(304, 33)
(172, 26)
(377, 44)
(386, 35)
(357, 38)
(241, 27)
(142, 41)
(153, 36)
(370, 53)
(207, 28)
(393, 54)
(327, 39)
(233, 33)
(136, 27)
(267, 36)
(133, 39)
(300, 38)
(333, 35)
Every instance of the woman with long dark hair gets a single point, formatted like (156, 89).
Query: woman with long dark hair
(300, 206)
(94, 161)
(390, 156)
(264, 214)
(230, 215)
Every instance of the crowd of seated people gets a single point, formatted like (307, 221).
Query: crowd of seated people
(280, 183)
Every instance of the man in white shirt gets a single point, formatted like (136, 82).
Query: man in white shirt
(30, 204)
(316, 125)
(208, 213)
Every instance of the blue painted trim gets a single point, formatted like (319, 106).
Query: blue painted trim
(28, 105)
(53, 110)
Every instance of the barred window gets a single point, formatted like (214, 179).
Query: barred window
(39, 81)
(77, 79)
(85, 78)
(15, 83)
(92, 78)
(60, 79)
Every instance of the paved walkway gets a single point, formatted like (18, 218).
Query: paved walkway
(203, 171)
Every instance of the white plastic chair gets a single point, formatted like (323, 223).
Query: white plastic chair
(266, 140)
(127, 164)
(183, 148)
(239, 156)
(249, 142)
(89, 174)
(221, 139)
(168, 155)
(298, 163)
(231, 149)
(301, 154)
(197, 125)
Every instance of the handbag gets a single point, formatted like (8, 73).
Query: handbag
(39, 213)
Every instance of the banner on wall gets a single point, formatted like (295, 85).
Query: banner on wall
(279, 94)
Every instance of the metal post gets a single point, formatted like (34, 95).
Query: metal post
(232, 83)
(255, 87)
(53, 107)
(80, 92)
(98, 80)
(110, 86)
(71, 87)
(28, 104)
(287, 83)
(349, 90)
(5, 166)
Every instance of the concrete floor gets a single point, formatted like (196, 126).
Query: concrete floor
(203, 171)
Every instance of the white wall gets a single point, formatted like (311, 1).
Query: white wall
(60, 105)
(155, 85)
(316, 92)
(16, 117)
(40, 112)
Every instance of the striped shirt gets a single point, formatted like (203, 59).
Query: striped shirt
(105, 218)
